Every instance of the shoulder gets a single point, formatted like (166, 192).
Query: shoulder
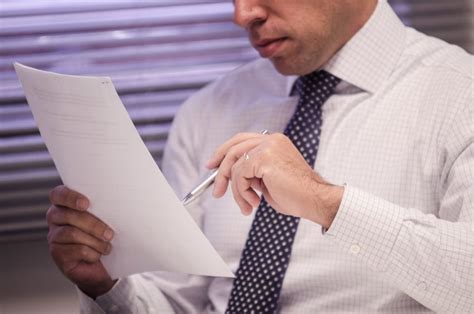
(441, 81)
(440, 75)
(438, 59)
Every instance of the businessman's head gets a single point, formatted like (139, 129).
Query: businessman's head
(299, 36)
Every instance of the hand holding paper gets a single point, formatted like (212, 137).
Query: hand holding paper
(99, 153)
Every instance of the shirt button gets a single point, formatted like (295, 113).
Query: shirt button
(422, 285)
(354, 249)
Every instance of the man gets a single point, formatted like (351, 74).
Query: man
(387, 211)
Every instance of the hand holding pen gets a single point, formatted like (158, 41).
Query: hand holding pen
(204, 185)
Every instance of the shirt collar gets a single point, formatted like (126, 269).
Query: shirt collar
(371, 55)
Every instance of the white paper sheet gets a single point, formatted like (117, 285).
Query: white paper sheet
(98, 152)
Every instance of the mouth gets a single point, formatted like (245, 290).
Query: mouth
(269, 47)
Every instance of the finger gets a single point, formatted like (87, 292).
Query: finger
(67, 256)
(246, 191)
(72, 235)
(84, 221)
(222, 179)
(221, 183)
(221, 151)
(243, 183)
(245, 206)
(63, 196)
(256, 184)
(244, 177)
(235, 153)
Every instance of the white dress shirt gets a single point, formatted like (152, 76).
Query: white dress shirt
(399, 132)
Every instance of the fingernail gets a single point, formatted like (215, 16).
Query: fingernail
(108, 234)
(82, 204)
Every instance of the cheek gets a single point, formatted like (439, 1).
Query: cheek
(309, 34)
(315, 40)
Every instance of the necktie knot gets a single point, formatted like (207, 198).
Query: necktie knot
(320, 83)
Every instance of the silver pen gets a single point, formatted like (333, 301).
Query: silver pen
(201, 187)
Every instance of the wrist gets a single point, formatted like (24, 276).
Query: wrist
(95, 291)
(331, 204)
(326, 202)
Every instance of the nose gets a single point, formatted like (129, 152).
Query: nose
(248, 12)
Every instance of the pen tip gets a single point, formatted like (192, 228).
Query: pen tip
(186, 199)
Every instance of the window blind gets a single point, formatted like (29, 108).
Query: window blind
(450, 20)
(157, 53)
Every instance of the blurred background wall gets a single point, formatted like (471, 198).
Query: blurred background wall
(157, 52)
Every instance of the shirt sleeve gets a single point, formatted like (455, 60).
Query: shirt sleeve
(430, 258)
(125, 297)
(152, 292)
(160, 292)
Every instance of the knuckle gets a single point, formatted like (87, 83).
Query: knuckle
(234, 169)
(274, 142)
(61, 233)
(50, 214)
(72, 234)
(84, 252)
(244, 184)
(55, 193)
(280, 137)
(60, 195)
(266, 152)
(277, 140)
(233, 152)
(62, 191)
(56, 215)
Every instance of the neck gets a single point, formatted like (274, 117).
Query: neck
(361, 19)
(357, 21)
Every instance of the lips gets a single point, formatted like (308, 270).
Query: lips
(269, 47)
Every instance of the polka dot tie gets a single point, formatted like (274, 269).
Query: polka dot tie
(266, 254)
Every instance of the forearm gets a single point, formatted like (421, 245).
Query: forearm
(430, 259)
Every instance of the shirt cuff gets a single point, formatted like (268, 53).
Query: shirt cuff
(367, 226)
(116, 300)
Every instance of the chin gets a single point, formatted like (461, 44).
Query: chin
(285, 66)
